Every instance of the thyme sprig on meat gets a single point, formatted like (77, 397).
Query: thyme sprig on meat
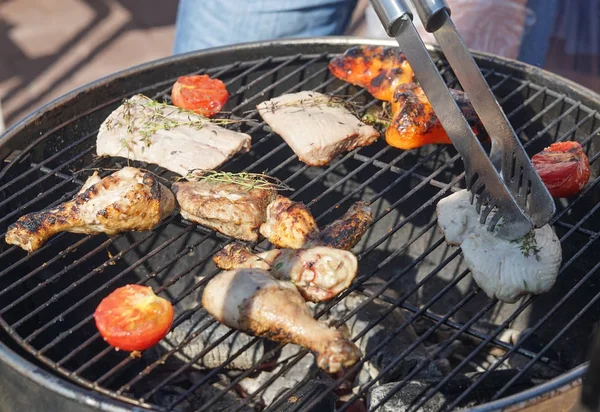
(147, 117)
(245, 179)
(314, 101)
(528, 245)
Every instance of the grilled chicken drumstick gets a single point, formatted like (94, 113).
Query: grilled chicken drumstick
(128, 199)
(345, 232)
(320, 273)
(254, 302)
(290, 225)
(386, 74)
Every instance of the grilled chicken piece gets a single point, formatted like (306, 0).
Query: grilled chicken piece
(503, 269)
(238, 256)
(181, 141)
(345, 232)
(129, 199)
(253, 301)
(378, 69)
(414, 123)
(386, 74)
(230, 208)
(320, 273)
(289, 224)
(317, 127)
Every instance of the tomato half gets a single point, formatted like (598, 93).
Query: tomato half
(200, 94)
(563, 167)
(133, 318)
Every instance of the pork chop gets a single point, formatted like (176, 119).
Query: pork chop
(317, 127)
(176, 139)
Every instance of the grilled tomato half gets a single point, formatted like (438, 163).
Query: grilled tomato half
(133, 318)
(563, 167)
(200, 94)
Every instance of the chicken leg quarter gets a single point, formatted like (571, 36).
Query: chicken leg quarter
(129, 199)
(253, 301)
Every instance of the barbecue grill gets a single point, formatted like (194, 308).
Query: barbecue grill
(472, 350)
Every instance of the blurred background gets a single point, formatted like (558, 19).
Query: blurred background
(49, 47)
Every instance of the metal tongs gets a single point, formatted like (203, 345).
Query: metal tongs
(505, 182)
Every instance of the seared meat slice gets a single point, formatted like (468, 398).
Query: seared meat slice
(345, 232)
(129, 199)
(317, 127)
(230, 208)
(289, 224)
(181, 141)
(376, 68)
(414, 123)
(253, 301)
(320, 273)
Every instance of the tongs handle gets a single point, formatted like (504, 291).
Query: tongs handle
(391, 13)
(433, 13)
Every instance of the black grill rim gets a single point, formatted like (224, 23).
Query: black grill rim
(51, 116)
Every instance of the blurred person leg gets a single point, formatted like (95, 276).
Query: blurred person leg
(536, 39)
(203, 24)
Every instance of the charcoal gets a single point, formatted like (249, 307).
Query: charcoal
(297, 373)
(387, 354)
(406, 397)
(307, 392)
(196, 399)
(403, 399)
(219, 354)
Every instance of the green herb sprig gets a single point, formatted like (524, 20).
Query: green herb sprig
(378, 116)
(146, 117)
(313, 101)
(247, 180)
(528, 245)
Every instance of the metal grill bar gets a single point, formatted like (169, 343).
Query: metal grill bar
(271, 67)
(530, 332)
(53, 343)
(474, 352)
(497, 331)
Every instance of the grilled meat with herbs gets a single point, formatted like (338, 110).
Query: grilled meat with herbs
(316, 126)
(179, 140)
(230, 208)
(129, 199)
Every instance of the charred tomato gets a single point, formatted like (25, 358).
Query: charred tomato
(133, 318)
(200, 94)
(563, 167)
